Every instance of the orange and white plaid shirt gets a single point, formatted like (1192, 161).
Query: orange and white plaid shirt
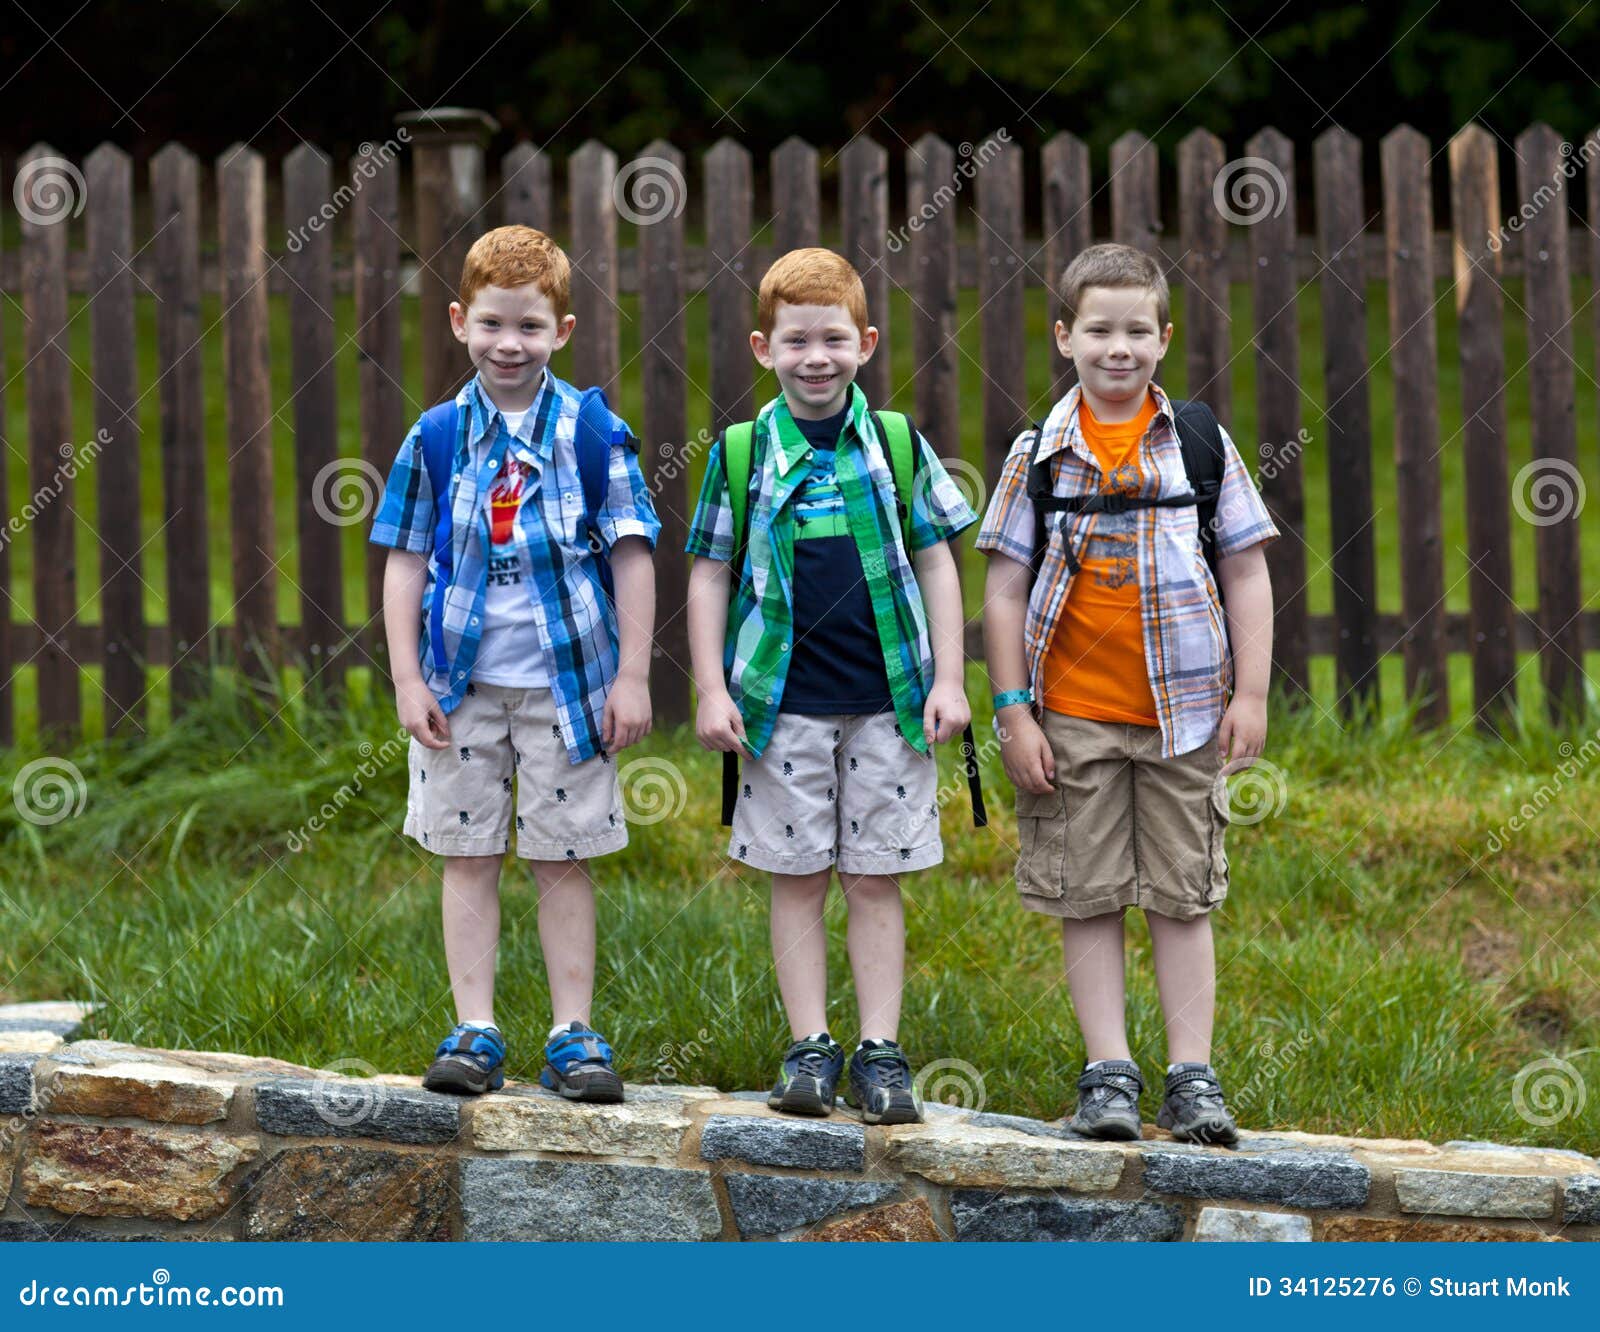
(1185, 634)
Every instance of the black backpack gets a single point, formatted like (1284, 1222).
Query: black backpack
(1199, 437)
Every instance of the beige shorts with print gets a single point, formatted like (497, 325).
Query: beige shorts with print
(841, 791)
(1124, 826)
(506, 761)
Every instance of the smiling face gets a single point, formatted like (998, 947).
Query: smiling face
(510, 334)
(1116, 342)
(816, 351)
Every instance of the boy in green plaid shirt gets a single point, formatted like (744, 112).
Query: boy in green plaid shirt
(825, 629)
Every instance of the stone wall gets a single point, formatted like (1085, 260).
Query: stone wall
(100, 1140)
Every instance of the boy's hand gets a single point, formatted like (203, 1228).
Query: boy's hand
(945, 714)
(625, 720)
(718, 725)
(421, 714)
(1243, 728)
(1029, 761)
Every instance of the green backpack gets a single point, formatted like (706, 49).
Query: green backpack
(901, 435)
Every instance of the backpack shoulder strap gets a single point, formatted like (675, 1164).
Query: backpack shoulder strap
(737, 440)
(1200, 439)
(899, 435)
(440, 424)
(592, 444)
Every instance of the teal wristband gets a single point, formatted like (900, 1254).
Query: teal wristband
(1010, 696)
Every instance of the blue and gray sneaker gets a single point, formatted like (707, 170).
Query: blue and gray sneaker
(578, 1065)
(811, 1069)
(469, 1060)
(881, 1085)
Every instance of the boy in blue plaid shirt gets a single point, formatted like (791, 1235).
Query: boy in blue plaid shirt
(513, 672)
(826, 640)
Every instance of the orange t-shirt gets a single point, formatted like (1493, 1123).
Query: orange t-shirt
(1095, 665)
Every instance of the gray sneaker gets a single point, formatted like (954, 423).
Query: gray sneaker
(1108, 1101)
(1194, 1108)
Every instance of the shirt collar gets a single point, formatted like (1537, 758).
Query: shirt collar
(789, 452)
(484, 414)
(1061, 428)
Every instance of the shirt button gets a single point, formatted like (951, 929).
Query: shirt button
(785, 647)
(493, 463)
(474, 619)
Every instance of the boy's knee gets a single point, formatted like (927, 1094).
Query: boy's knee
(869, 887)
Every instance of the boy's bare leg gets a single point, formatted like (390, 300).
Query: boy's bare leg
(472, 933)
(877, 944)
(1186, 976)
(800, 949)
(1092, 950)
(566, 933)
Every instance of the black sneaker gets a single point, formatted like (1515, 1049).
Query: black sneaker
(1108, 1101)
(469, 1061)
(880, 1085)
(810, 1072)
(1194, 1108)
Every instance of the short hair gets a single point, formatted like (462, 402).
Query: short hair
(514, 257)
(1113, 266)
(811, 277)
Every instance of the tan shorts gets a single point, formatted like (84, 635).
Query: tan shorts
(1124, 826)
(841, 791)
(461, 800)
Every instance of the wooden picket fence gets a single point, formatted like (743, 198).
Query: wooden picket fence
(452, 204)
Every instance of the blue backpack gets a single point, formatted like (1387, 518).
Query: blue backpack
(441, 428)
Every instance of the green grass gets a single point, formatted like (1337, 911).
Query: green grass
(1382, 971)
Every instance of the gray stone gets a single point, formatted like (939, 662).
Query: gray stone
(28, 1232)
(65, 1030)
(1468, 1193)
(1229, 1225)
(1294, 1179)
(1582, 1207)
(815, 1145)
(16, 1084)
(1471, 1145)
(981, 1214)
(571, 1200)
(356, 1108)
(1038, 1128)
(770, 1204)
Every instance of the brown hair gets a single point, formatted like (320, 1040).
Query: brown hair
(811, 277)
(1113, 266)
(514, 257)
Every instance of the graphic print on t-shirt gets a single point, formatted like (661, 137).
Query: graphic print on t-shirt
(505, 499)
(510, 653)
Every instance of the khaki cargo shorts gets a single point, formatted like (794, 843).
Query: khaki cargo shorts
(841, 791)
(1124, 826)
(462, 800)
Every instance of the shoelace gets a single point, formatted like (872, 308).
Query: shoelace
(1206, 1092)
(888, 1068)
(814, 1060)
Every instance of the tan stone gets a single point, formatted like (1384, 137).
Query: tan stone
(8, 1159)
(48, 1010)
(972, 1157)
(902, 1222)
(1382, 1229)
(341, 1192)
(29, 1042)
(237, 1066)
(164, 1094)
(548, 1124)
(106, 1170)
(1464, 1193)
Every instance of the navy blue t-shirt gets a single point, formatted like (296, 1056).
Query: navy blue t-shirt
(836, 664)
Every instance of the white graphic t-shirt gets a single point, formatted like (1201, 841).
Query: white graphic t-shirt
(509, 653)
